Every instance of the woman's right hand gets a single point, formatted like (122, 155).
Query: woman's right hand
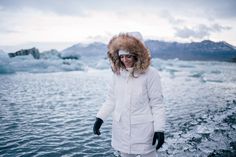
(97, 126)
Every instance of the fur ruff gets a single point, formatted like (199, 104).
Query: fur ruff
(133, 46)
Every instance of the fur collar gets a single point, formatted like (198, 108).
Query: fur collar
(132, 45)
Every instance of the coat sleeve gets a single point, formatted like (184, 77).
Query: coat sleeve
(156, 100)
(109, 105)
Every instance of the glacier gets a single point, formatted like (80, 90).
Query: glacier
(45, 64)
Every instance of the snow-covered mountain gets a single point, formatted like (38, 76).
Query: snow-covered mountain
(86, 50)
(205, 50)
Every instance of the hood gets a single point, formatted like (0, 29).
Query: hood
(134, 46)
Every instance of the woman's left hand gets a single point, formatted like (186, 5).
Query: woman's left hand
(160, 137)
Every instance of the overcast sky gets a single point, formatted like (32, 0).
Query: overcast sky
(57, 24)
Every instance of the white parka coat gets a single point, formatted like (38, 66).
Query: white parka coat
(138, 110)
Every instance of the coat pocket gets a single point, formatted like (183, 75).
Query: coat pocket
(142, 134)
(141, 119)
(116, 116)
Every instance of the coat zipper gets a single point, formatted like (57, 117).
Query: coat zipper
(129, 113)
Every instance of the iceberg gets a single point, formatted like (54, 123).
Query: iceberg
(5, 67)
(50, 61)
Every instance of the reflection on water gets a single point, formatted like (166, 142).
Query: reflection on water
(52, 114)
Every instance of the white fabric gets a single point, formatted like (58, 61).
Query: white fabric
(122, 52)
(137, 109)
(130, 69)
(137, 35)
(151, 154)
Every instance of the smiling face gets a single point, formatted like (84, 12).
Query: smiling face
(127, 60)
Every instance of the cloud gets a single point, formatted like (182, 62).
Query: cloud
(188, 32)
(4, 30)
(62, 7)
(199, 31)
(219, 28)
(219, 8)
(77, 20)
(70, 7)
(209, 8)
(175, 21)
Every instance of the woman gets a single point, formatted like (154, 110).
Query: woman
(135, 98)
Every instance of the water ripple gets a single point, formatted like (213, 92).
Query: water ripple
(53, 114)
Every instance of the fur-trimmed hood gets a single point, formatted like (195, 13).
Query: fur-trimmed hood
(132, 45)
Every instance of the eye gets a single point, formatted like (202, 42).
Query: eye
(126, 56)
(122, 56)
(129, 56)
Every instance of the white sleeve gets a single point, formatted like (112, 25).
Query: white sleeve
(156, 100)
(109, 105)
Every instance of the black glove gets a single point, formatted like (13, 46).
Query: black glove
(160, 137)
(97, 126)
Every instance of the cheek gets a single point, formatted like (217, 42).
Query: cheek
(122, 60)
(132, 61)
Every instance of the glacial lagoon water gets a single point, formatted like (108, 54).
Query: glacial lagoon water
(52, 114)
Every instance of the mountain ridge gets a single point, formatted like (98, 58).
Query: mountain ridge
(204, 50)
